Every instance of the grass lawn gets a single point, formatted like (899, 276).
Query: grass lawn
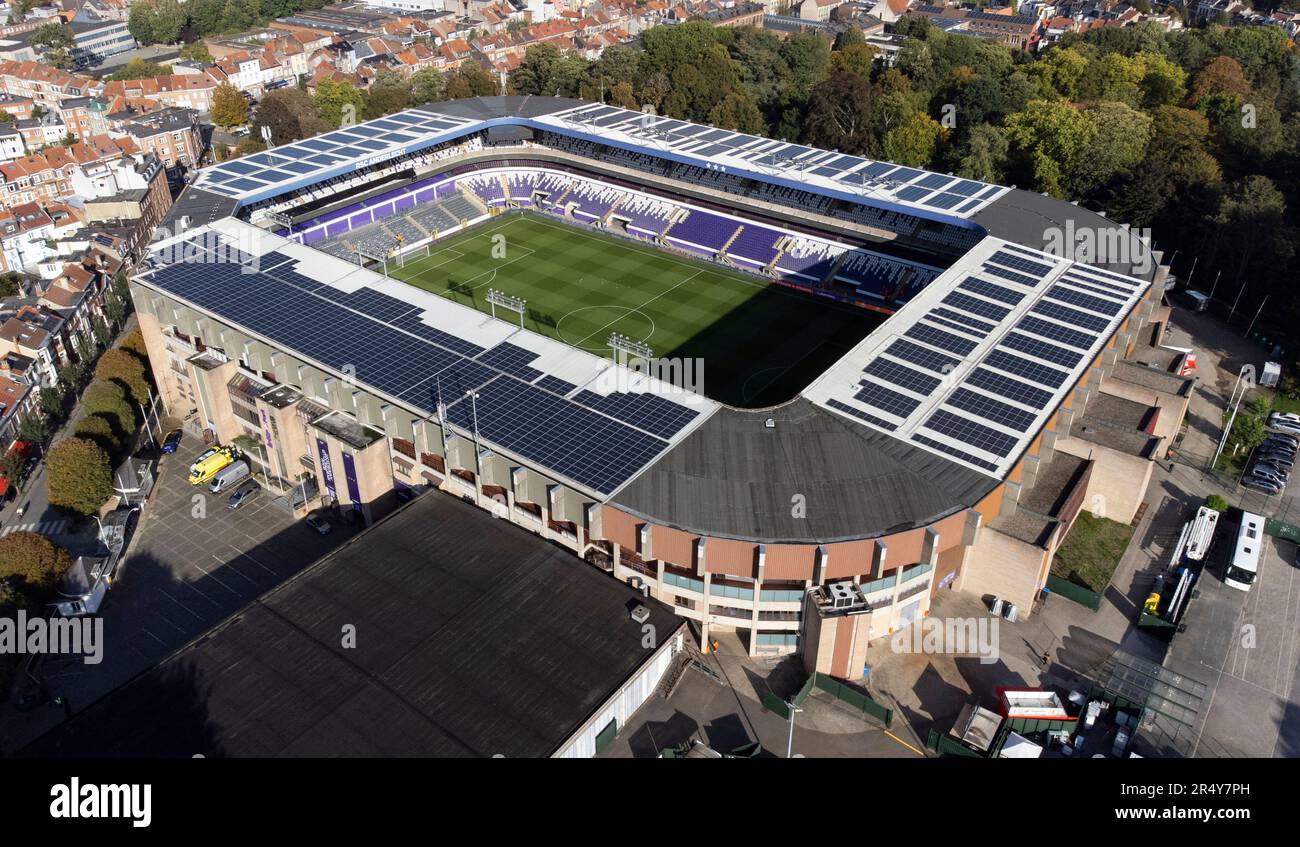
(759, 344)
(1092, 550)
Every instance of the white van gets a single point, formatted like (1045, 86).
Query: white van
(228, 476)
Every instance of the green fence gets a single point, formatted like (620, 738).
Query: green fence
(1289, 532)
(945, 746)
(1070, 591)
(776, 705)
(855, 698)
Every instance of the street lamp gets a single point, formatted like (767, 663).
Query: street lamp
(789, 744)
(1234, 403)
(478, 460)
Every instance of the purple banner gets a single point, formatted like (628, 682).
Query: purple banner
(350, 474)
(327, 468)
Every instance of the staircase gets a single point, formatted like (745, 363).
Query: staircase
(722, 252)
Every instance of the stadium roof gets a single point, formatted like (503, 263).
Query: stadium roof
(735, 477)
(272, 172)
(474, 638)
(809, 168)
(975, 364)
(581, 417)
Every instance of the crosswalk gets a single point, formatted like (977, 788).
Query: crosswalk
(53, 527)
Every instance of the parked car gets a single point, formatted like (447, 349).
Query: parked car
(1277, 443)
(245, 492)
(1289, 417)
(316, 520)
(1284, 427)
(1260, 484)
(228, 476)
(1264, 472)
(171, 441)
(1279, 460)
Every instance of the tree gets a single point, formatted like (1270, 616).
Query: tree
(33, 428)
(51, 400)
(290, 113)
(839, 114)
(388, 93)
(229, 106)
(1221, 75)
(134, 343)
(239, 15)
(914, 141)
(335, 100)
(1117, 145)
(1046, 140)
(109, 399)
(54, 42)
(428, 86)
(125, 369)
(98, 429)
(79, 475)
(32, 562)
(140, 69)
(196, 51)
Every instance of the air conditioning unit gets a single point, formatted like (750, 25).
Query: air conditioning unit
(640, 613)
(842, 594)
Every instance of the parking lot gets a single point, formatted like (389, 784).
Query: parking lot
(1244, 646)
(191, 563)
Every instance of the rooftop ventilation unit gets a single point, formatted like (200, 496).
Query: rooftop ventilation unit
(640, 613)
(843, 594)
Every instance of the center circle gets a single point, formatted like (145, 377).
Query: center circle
(633, 323)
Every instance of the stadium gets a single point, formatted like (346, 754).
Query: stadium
(790, 392)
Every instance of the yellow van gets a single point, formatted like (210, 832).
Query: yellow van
(207, 465)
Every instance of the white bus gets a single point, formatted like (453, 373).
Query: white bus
(1244, 566)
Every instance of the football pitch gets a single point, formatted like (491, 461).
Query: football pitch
(759, 344)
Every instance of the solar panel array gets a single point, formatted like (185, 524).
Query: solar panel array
(597, 441)
(332, 152)
(807, 165)
(981, 364)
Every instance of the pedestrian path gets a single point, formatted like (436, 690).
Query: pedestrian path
(53, 527)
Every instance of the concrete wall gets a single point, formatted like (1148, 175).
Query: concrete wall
(1118, 481)
(1005, 567)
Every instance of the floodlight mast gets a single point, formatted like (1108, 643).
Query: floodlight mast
(625, 348)
(514, 304)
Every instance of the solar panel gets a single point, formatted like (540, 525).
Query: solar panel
(886, 400)
(574, 441)
(975, 306)
(1056, 332)
(650, 412)
(861, 415)
(936, 318)
(941, 339)
(1065, 314)
(901, 375)
(968, 432)
(1086, 301)
(991, 410)
(1042, 350)
(554, 383)
(1026, 368)
(512, 360)
(1096, 286)
(988, 289)
(1010, 276)
(954, 452)
(928, 359)
(1020, 263)
(1012, 389)
(974, 324)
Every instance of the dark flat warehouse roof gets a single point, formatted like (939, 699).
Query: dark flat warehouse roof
(473, 638)
(735, 477)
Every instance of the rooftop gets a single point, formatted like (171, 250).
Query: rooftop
(478, 639)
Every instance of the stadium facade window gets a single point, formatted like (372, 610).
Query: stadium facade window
(777, 639)
(888, 581)
(913, 571)
(683, 582)
(774, 595)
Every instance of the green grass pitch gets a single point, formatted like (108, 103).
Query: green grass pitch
(760, 344)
